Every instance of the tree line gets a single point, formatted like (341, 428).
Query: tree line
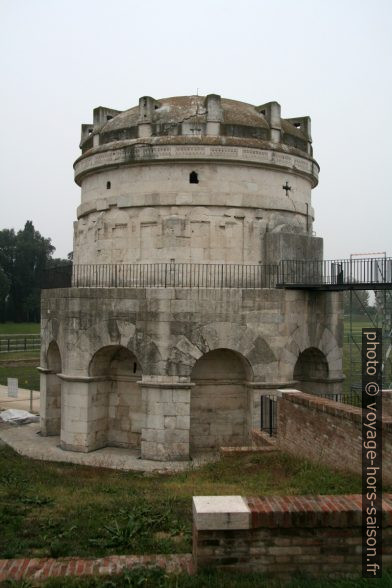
(24, 255)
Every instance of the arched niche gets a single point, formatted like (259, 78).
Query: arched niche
(117, 398)
(311, 371)
(53, 358)
(51, 392)
(220, 407)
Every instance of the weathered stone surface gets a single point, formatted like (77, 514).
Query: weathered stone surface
(172, 370)
(221, 512)
(219, 397)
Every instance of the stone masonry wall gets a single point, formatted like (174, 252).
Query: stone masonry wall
(125, 414)
(327, 432)
(166, 332)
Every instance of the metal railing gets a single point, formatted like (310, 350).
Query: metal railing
(10, 343)
(343, 273)
(268, 414)
(164, 275)
(352, 398)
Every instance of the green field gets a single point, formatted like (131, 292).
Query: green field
(28, 375)
(51, 509)
(19, 328)
(54, 509)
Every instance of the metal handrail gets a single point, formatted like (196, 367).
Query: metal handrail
(371, 273)
(166, 275)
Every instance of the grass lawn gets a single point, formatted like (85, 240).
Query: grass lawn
(28, 375)
(57, 510)
(52, 509)
(209, 579)
(19, 328)
(29, 354)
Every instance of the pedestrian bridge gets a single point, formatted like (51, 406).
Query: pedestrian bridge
(343, 274)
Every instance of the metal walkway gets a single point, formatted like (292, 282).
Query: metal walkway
(342, 274)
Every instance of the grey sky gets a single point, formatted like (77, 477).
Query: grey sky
(331, 60)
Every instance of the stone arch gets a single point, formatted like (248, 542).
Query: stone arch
(219, 411)
(114, 360)
(117, 400)
(51, 392)
(223, 335)
(116, 331)
(311, 371)
(301, 339)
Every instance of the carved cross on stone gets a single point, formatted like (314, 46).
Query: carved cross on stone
(287, 188)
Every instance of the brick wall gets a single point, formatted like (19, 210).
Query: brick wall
(327, 432)
(317, 535)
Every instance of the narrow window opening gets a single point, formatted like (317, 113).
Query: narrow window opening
(262, 112)
(134, 367)
(109, 117)
(297, 125)
(193, 178)
(108, 185)
(90, 131)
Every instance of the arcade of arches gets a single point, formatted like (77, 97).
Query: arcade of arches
(120, 409)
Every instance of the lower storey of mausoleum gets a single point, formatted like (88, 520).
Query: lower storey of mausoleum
(173, 372)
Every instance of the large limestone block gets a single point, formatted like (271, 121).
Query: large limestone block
(221, 512)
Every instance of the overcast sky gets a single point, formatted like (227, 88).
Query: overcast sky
(330, 59)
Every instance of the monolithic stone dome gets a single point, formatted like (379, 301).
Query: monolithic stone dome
(189, 116)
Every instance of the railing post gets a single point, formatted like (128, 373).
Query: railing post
(261, 412)
(270, 416)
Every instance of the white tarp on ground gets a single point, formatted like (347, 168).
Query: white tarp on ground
(15, 416)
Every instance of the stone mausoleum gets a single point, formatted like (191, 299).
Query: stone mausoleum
(172, 329)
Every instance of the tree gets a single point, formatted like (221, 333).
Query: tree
(4, 290)
(23, 257)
